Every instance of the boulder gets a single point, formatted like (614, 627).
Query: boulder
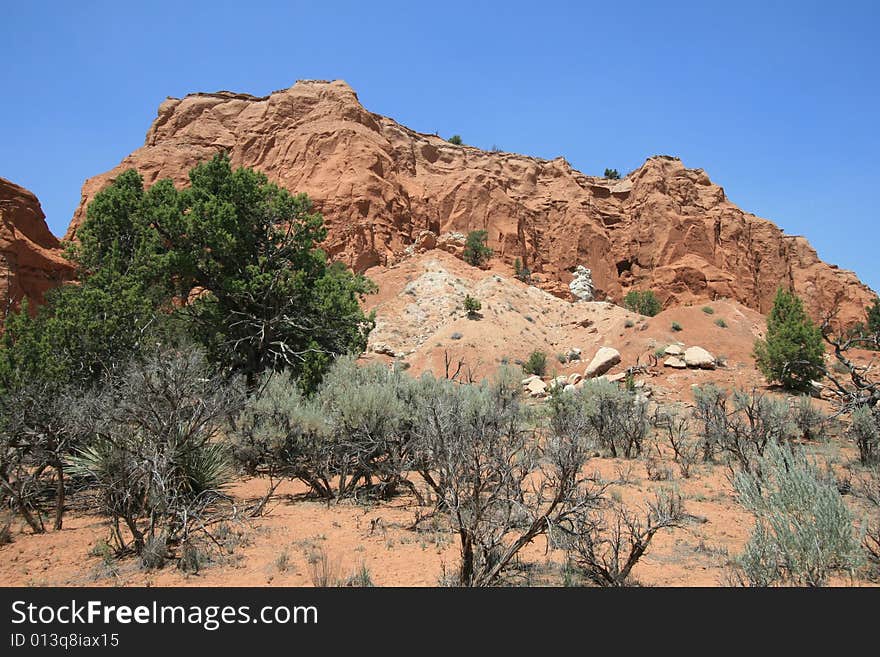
(604, 360)
(676, 362)
(574, 378)
(569, 388)
(699, 357)
(674, 350)
(536, 388)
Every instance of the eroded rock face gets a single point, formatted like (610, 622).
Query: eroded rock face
(381, 185)
(30, 255)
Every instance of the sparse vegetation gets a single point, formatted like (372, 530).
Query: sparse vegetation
(676, 327)
(643, 302)
(611, 174)
(709, 310)
(720, 323)
(455, 140)
(472, 306)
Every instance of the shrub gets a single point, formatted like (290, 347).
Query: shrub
(41, 425)
(562, 358)
(709, 310)
(629, 323)
(803, 529)
(644, 302)
(792, 353)
(521, 272)
(499, 486)
(352, 438)
(676, 326)
(472, 306)
(611, 174)
(710, 412)
(873, 312)
(809, 420)
(676, 429)
(613, 419)
(455, 140)
(476, 252)
(865, 431)
(536, 363)
(720, 323)
(607, 542)
(155, 458)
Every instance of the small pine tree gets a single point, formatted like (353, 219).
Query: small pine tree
(792, 353)
(472, 306)
(476, 252)
(521, 272)
(536, 364)
(455, 140)
(612, 174)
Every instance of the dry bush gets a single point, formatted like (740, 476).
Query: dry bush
(40, 426)
(605, 543)
(156, 458)
(612, 419)
(741, 433)
(675, 429)
(500, 486)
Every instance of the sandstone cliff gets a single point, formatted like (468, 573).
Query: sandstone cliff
(30, 256)
(387, 191)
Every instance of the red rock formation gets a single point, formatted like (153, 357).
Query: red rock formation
(381, 185)
(30, 256)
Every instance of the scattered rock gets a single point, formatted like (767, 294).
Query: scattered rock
(699, 357)
(604, 360)
(382, 348)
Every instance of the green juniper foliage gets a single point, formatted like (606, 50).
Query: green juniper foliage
(644, 302)
(476, 252)
(793, 350)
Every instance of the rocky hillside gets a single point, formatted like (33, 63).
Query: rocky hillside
(30, 256)
(386, 191)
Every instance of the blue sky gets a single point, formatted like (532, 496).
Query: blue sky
(777, 101)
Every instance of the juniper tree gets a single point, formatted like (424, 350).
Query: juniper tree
(792, 353)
